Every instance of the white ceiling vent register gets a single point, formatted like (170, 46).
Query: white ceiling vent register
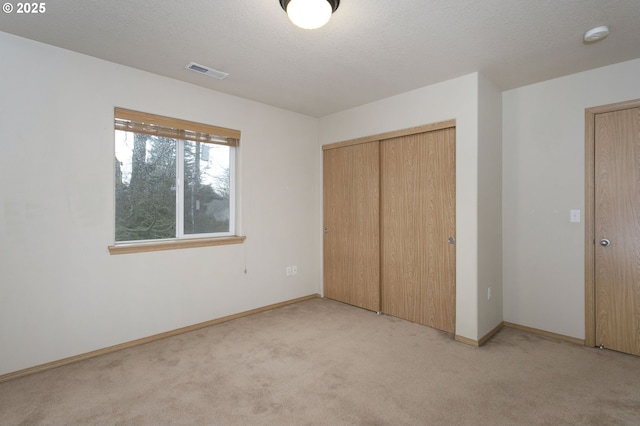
(206, 70)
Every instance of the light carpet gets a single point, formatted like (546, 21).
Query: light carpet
(321, 362)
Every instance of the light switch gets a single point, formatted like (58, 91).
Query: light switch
(574, 215)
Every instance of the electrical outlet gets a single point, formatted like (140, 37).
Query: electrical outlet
(291, 271)
(489, 293)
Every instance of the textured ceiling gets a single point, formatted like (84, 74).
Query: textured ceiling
(371, 49)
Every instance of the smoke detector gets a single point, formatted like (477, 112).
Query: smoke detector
(206, 70)
(595, 34)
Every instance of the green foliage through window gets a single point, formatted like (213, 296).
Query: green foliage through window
(167, 188)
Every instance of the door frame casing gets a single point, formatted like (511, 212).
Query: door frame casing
(589, 214)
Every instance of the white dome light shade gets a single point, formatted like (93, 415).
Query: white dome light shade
(309, 14)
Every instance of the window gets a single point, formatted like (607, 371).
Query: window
(174, 179)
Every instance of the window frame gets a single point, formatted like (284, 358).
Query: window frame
(181, 130)
(180, 190)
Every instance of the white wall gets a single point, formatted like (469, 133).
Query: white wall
(453, 99)
(543, 178)
(489, 206)
(61, 293)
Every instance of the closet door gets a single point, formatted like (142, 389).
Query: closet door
(351, 225)
(418, 218)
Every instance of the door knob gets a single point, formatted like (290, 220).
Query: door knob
(604, 242)
(451, 240)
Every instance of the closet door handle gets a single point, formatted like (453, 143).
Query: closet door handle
(451, 240)
(604, 242)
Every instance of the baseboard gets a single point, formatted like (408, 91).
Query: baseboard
(544, 333)
(467, 341)
(490, 334)
(483, 340)
(537, 331)
(142, 341)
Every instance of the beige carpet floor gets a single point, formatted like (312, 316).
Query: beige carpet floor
(321, 362)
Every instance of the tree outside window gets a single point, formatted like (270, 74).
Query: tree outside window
(168, 188)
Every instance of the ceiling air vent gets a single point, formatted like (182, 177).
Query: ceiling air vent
(206, 70)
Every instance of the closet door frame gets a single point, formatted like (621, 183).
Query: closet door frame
(394, 134)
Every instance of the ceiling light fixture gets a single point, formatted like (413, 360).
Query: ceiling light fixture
(309, 14)
(595, 34)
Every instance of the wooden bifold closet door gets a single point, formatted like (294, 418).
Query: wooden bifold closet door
(389, 218)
